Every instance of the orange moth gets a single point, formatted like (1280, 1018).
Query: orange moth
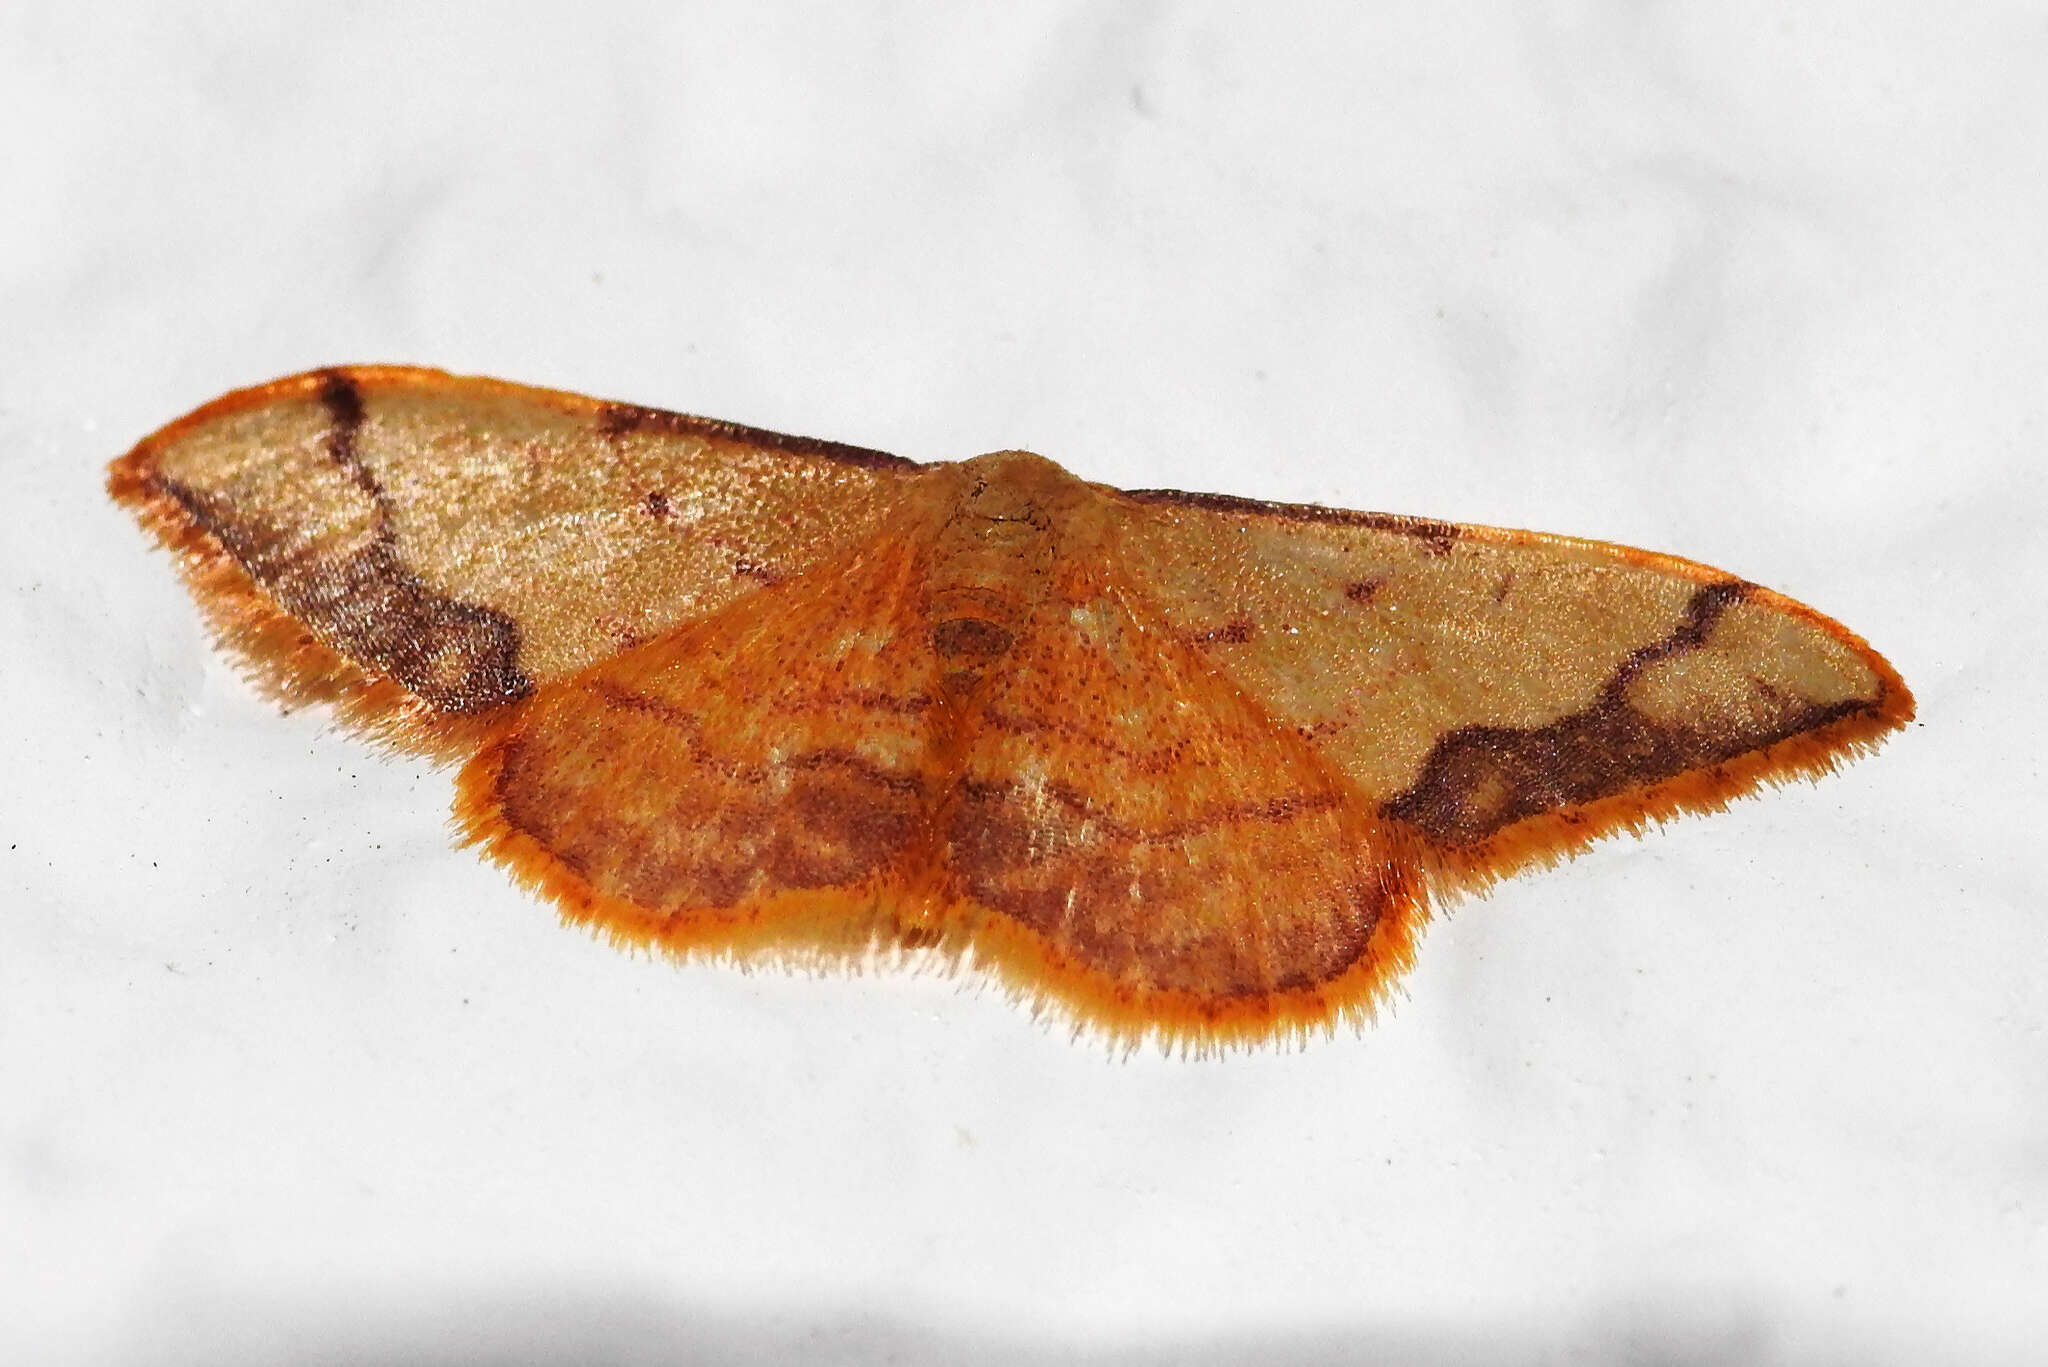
(1180, 766)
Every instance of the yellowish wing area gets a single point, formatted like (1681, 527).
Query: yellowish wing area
(426, 548)
(1507, 695)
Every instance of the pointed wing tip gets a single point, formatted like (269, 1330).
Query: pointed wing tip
(1548, 838)
(272, 649)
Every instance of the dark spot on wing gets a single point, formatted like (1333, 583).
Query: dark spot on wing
(1234, 632)
(970, 640)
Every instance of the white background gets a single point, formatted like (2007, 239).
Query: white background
(283, 1077)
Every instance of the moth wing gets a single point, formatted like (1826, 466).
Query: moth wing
(754, 781)
(425, 548)
(1506, 696)
(1130, 835)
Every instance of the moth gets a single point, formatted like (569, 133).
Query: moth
(1181, 767)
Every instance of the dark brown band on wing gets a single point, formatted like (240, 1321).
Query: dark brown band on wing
(1080, 897)
(344, 404)
(1479, 779)
(1436, 537)
(1702, 611)
(366, 603)
(819, 818)
(457, 657)
(621, 419)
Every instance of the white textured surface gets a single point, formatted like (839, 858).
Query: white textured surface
(284, 1078)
